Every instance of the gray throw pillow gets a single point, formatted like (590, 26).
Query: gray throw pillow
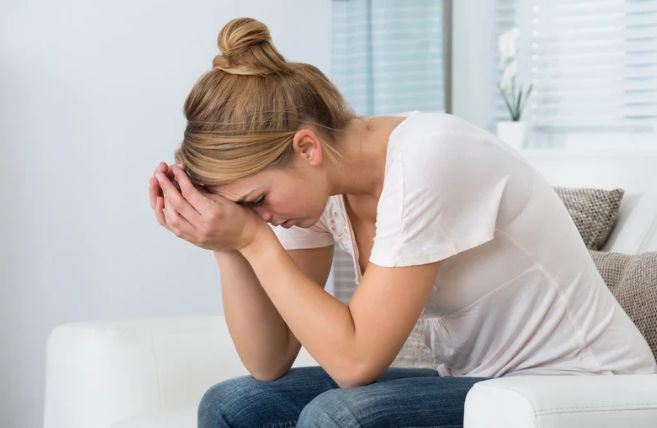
(632, 279)
(415, 352)
(594, 212)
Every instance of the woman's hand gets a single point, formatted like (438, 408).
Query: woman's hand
(206, 220)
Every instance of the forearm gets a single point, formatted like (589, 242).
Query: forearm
(259, 333)
(322, 323)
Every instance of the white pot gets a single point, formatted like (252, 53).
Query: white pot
(515, 134)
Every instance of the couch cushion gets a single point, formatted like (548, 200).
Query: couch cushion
(184, 417)
(415, 352)
(632, 279)
(594, 212)
(631, 169)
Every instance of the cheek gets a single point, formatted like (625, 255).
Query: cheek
(298, 206)
(315, 208)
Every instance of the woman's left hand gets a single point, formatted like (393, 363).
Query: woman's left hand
(205, 219)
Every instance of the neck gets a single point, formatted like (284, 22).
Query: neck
(360, 172)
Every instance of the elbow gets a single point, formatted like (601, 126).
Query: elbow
(268, 374)
(349, 383)
(271, 373)
(353, 381)
(268, 377)
(359, 375)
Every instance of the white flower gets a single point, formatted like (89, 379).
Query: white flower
(506, 44)
(510, 72)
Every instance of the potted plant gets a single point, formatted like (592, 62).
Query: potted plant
(513, 132)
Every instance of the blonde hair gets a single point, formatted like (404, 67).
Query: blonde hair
(242, 115)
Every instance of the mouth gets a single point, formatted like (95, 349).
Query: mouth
(286, 224)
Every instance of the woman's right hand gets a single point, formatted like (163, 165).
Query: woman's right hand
(157, 199)
(155, 191)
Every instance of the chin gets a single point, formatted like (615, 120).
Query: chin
(302, 223)
(308, 221)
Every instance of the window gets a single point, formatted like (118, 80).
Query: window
(387, 55)
(593, 64)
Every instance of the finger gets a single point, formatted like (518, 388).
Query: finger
(153, 186)
(152, 191)
(177, 201)
(169, 172)
(161, 167)
(164, 169)
(159, 213)
(176, 223)
(197, 200)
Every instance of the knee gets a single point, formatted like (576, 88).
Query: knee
(329, 409)
(213, 405)
(224, 404)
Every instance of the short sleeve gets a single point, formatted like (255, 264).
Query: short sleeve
(441, 196)
(318, 235)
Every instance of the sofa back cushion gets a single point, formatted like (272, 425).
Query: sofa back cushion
(631, 169)
(594, 212)
(632, 279)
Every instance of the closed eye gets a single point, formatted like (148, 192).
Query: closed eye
(258, 202)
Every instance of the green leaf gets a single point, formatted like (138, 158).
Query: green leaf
(519, 101)
(529, 92)
(506, 101)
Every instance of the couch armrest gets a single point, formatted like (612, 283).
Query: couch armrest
(98, 373)
(563, 401)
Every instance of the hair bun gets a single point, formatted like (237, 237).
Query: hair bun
(246, 49)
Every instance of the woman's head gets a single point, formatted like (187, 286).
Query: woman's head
(243, 115)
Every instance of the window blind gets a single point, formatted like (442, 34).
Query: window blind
(387, 55)
(593, 63)
(505, 19)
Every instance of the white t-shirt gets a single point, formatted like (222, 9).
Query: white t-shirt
(517, 291)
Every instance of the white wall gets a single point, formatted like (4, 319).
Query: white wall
(91, 97)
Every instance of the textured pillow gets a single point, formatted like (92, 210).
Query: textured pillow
(632, 279)
(594, 212)
(415, 352)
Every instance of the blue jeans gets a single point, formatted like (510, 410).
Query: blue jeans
(308, 397)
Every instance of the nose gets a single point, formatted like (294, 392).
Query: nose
(264, 214)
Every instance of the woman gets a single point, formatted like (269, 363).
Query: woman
(448, 228)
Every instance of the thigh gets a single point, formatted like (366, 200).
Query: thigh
(247, 402)
(430, 401)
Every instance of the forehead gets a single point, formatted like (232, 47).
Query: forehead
(240, 188)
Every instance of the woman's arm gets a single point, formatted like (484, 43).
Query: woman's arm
(259, 333)
(263, 341)
(354, 343)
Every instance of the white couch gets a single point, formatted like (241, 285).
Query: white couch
(152, 372)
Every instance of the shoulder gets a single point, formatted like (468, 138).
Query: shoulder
(420, 123)
(445, 184)
(438, 148)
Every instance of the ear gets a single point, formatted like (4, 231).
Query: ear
(307, 147)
